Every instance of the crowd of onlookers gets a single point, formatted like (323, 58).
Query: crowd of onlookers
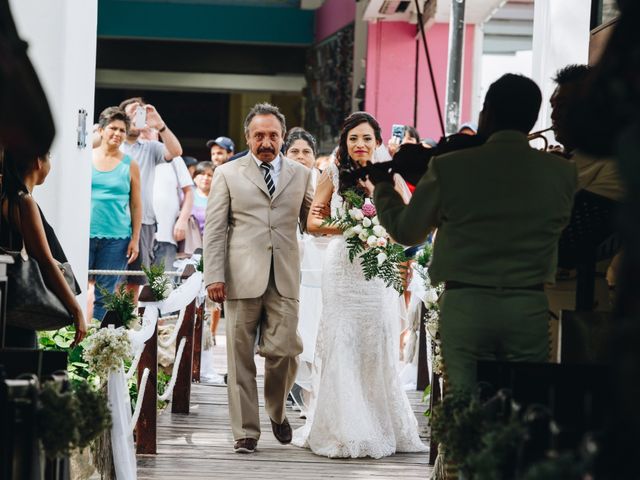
(149, 200)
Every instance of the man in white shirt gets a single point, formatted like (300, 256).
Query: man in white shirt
(172, 203)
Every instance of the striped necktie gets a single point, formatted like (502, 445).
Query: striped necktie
(266, 170)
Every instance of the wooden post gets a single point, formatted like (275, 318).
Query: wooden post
(435, 399)
(197, 344)
(423, 361)
(182, 389)
(146, 426)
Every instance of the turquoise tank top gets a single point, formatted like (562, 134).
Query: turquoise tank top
(110, 192)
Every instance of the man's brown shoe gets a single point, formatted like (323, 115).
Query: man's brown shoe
(282, 431)
(245, 445)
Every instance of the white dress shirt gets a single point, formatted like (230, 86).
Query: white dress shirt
(276, 166)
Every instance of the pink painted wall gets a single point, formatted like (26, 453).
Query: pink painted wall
(332, 16)
(391, 53)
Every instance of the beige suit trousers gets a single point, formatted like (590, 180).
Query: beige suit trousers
(279, 344)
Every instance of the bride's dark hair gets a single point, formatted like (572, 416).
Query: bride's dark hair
(345, 162)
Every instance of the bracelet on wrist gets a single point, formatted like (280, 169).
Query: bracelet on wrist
(164, 127)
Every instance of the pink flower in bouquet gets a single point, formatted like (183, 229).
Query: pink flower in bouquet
(369, 210)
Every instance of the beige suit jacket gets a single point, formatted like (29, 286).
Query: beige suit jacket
(499, 209)
(246, 230)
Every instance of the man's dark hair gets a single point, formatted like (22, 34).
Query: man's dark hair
(513, 101)
(110, 114)
(125, 103)
(571, 74)
(265, 109)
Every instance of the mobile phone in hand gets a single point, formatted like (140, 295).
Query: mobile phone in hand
(140, 117)
(397, 133)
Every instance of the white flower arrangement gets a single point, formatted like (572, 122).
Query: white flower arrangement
(369, 241)
(106, 349)
(432, 315)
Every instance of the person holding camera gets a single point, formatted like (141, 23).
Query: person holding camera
(499, 209)
(401, 135)
(148, 154)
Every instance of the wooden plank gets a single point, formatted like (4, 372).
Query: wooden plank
(146, 428)
(182, 390)
(200, 445)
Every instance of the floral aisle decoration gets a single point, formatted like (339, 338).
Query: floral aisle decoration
(121, 303)
(106, 350)
(159, 283)
(105, 353)
(70, 416)
(487, 435)
(432, 313)
(367, 240)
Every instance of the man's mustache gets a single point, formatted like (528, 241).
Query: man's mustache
(266, 149)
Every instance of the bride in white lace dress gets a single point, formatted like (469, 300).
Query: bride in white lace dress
(359, 407)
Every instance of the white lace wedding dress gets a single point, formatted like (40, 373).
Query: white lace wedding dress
(359, 408)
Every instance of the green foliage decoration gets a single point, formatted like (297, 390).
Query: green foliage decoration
(70, 418)
(121, 303)
(158, 282)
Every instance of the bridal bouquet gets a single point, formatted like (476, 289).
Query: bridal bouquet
(368, 240)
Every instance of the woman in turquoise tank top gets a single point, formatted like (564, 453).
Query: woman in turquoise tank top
(116, 206)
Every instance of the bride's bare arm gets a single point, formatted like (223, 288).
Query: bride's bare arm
(321, 207)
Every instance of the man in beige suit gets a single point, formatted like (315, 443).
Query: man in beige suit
(499, 210)
(251, 261)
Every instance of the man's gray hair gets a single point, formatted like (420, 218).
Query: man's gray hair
(264, 109)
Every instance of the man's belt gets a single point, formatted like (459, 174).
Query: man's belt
(453, 285)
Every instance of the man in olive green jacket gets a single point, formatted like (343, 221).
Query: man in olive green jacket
(499, 210)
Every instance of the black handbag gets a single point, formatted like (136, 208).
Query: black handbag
(30, 303)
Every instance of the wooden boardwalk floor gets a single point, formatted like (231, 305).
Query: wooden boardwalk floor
(199, 445)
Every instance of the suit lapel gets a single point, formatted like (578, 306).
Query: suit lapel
(252, 172)
(286, 174)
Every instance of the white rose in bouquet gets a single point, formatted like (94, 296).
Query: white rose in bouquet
(381, 257)
(379, 231)
(372, 241)
(356, 214)
(357, 229)
(366, 222)
(363, 236)
(382, 242)
(350, 232)
(375, 220)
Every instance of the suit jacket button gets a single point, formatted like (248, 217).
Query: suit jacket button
(273, 227)
(269, 247)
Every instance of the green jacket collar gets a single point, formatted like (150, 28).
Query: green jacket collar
(510, 136)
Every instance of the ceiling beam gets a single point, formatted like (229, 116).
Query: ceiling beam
(201, 82)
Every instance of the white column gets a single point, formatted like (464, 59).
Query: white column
(560, 38)
(62, 46)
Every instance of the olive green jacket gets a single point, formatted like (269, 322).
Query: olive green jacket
(499, 210)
